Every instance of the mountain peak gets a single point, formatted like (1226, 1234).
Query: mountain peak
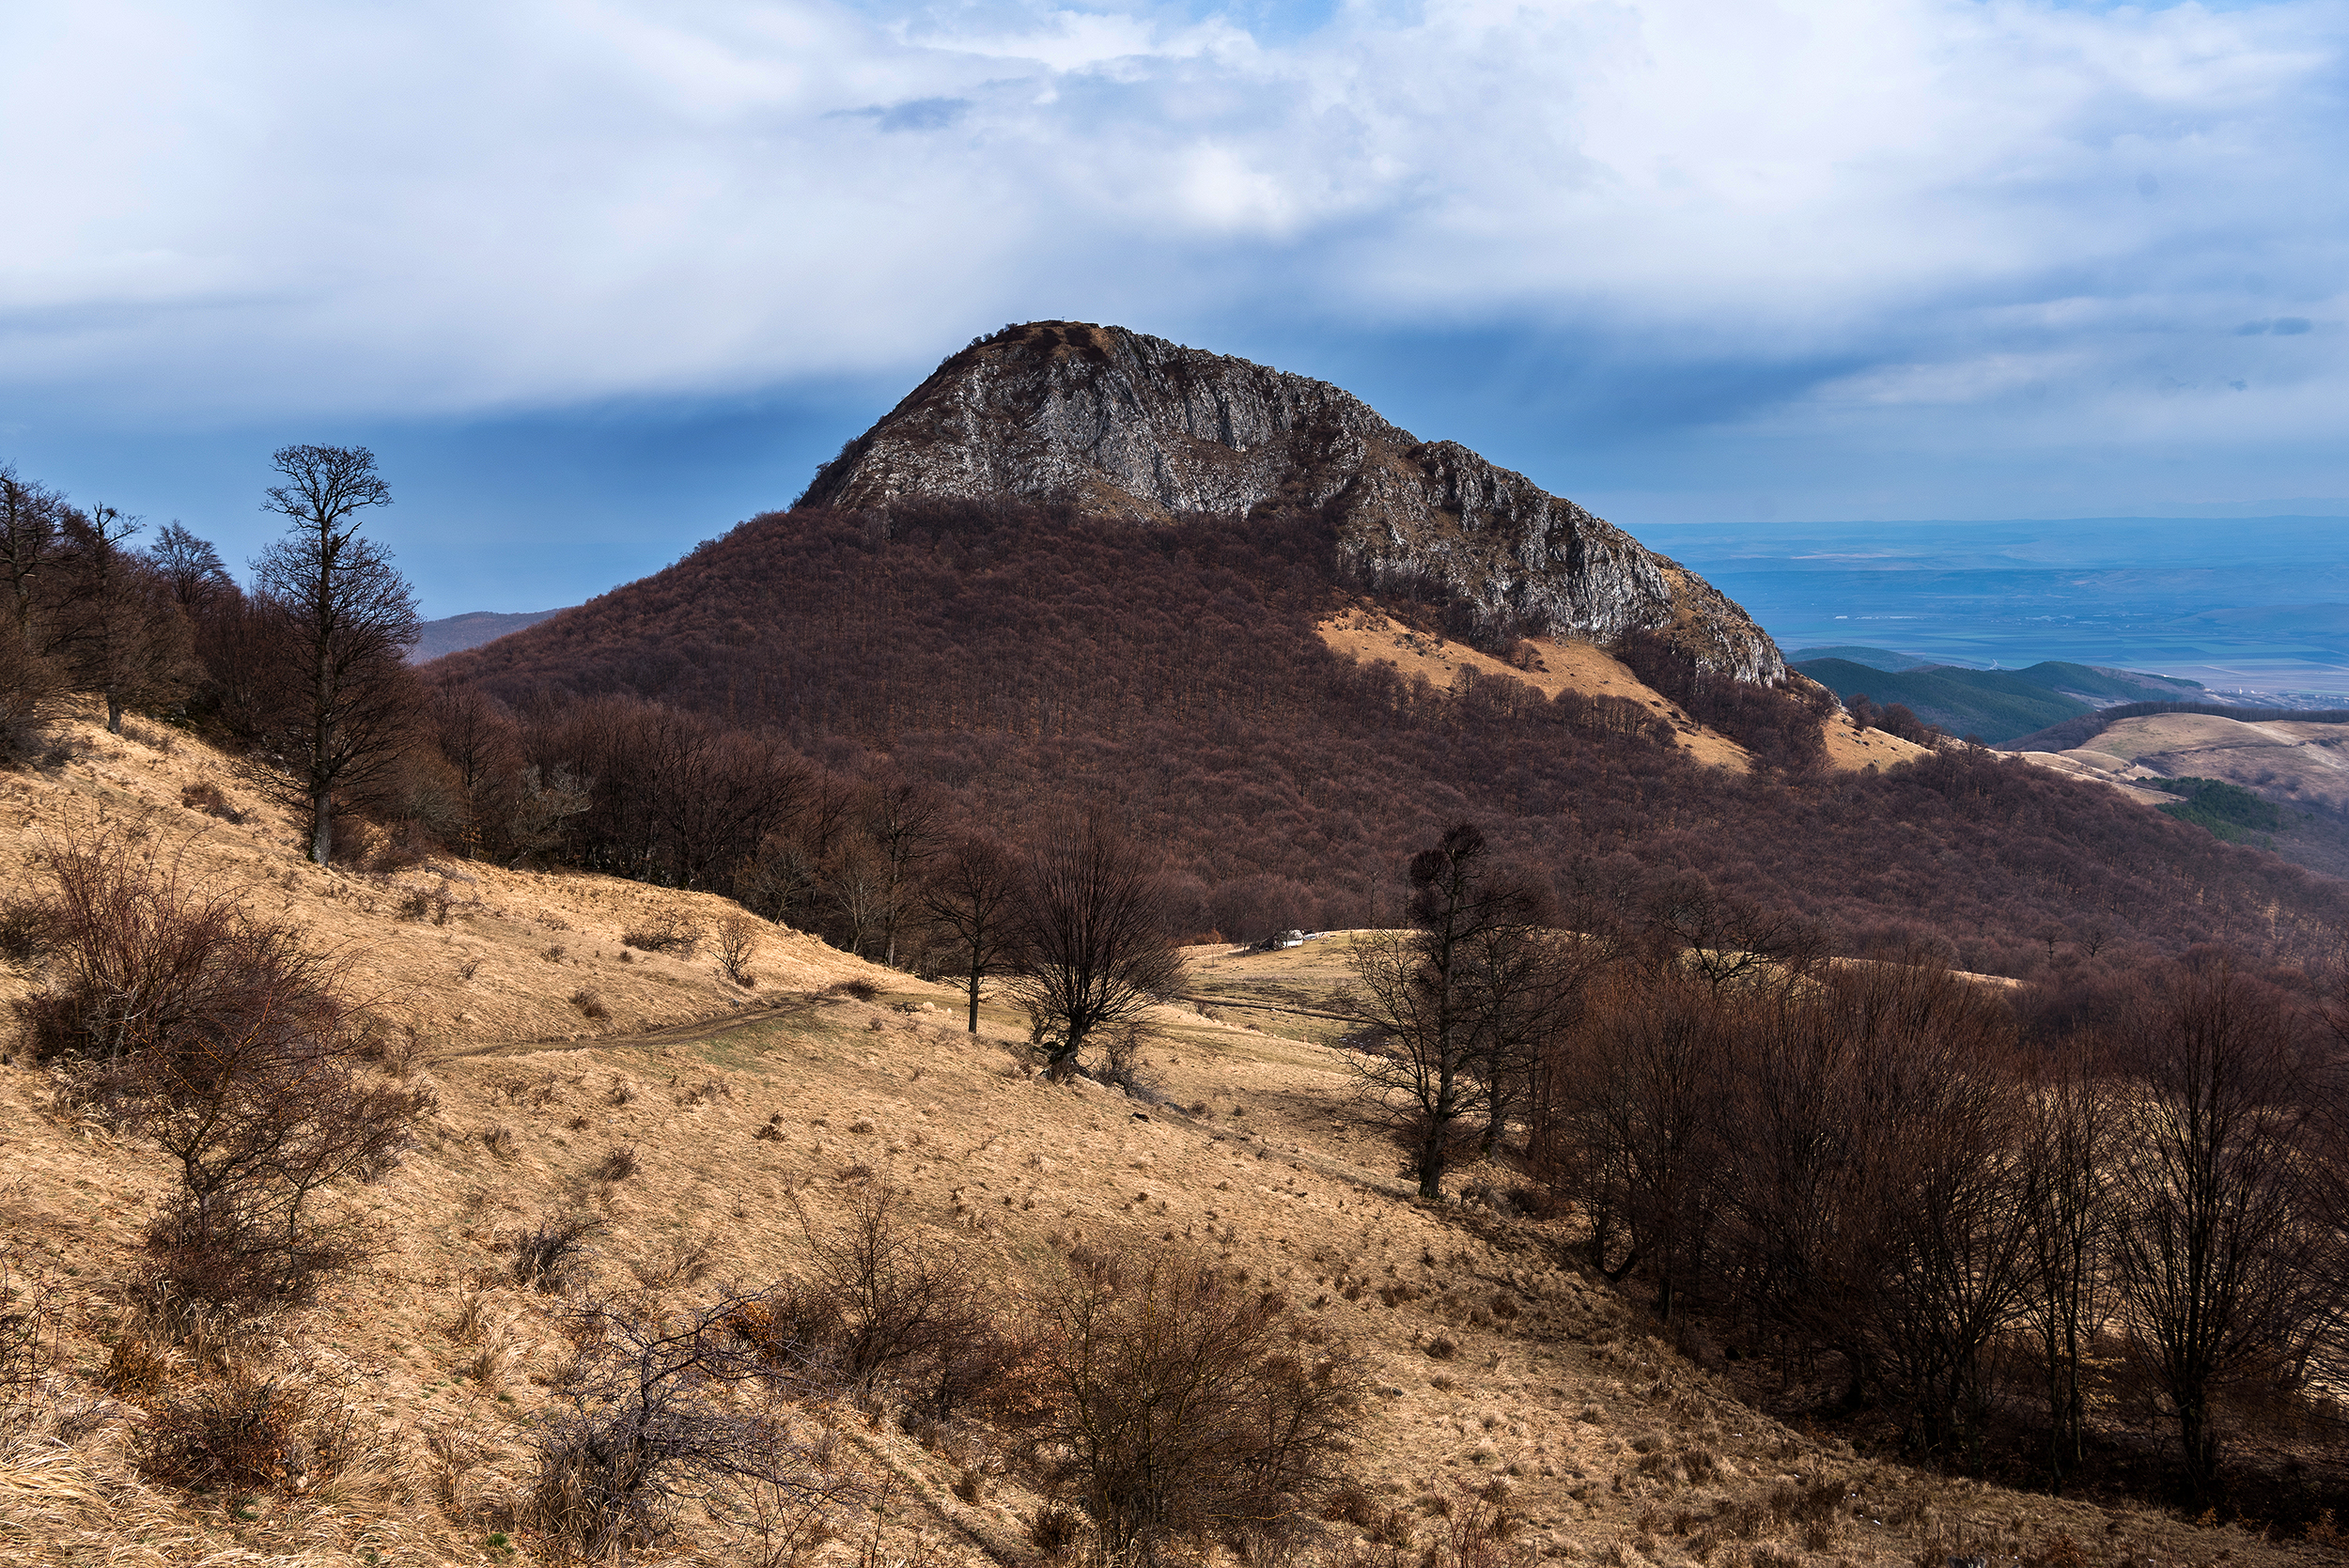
(1123, 424)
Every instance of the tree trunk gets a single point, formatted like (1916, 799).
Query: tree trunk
(2201, 1441)
(321, 826)
(114, 714)
(974, 998)
(1431, 1161)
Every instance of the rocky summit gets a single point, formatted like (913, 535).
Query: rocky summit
(1133, 427)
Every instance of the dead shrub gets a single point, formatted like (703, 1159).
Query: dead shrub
(1350, 1502)
(662, 1411)
(863, 990)
(590, 1003)
(217, 1036)
(737, 939)
(2060, 1551)
(31, 1327)
(616, 1165)
(792, 1328)
(666, 933)
(427, 904)
(205, 796)
(551, 1256)
(137, 1370)
(907, 1302)
(500, 1140)
(26, 927)
(243, 1433)
(1441, 1347)
(1055, 1531)
(1186, 1405)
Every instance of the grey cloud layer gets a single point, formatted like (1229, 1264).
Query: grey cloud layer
(446, 206)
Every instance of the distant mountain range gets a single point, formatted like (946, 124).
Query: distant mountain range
(1994, 705)
(455, 633)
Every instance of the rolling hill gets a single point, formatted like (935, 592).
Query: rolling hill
(1998, 705)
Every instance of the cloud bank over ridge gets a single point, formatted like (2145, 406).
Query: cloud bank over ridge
(1916, 221)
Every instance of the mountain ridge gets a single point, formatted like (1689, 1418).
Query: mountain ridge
(1121, 423)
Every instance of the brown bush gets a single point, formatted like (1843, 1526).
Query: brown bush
(590, 1003)
(1186, 1403)
(1055, 1531)
(179, 1017)
(26, 927)
(617, 1165)
(243, 1433)
(668, 932)
(137, 1370)
(205, 796)
(647, 1424)
(738, 937)
(906, 1301)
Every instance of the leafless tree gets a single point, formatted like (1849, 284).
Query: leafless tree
(1945, 1121)
(661, 1411)
(732, 944)
(901, 818)
(1629, 1123)
(343, 708)
(232, 1045)
(1435, 1008)
(31, 521)
(2067, 1157)
(1185, 1404)
(32, 687)
(973, 896)
(114, 624)
(2220, 1258)
(1093, 948)
(1731, 940)
(191, 569)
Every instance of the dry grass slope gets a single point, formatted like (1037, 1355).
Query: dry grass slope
(1497, 1374)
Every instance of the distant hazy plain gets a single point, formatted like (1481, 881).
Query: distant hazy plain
(2240, 604)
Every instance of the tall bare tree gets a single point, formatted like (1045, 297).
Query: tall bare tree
(343, 713)
(1095, 951)
(115, 624)
(2220, 1262)
(31, 519)
(191, 568)
(2068, 1152)
(1434, 1003)
(973, 896)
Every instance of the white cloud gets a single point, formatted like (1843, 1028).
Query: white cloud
(436, 206)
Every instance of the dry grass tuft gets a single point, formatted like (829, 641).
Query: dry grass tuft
(552, 1255)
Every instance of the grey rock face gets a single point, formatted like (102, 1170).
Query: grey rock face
(1138, 427)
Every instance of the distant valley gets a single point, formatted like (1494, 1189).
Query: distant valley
(2255, 609)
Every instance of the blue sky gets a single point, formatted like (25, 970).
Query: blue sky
(597, 278)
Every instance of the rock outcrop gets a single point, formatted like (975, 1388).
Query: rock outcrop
(1138, 427)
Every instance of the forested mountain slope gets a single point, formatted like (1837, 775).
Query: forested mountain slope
(1031, 661)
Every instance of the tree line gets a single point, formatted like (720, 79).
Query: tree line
(1886, 1172)
(305, 670)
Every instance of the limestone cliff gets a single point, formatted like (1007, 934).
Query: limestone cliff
(1138, 427)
